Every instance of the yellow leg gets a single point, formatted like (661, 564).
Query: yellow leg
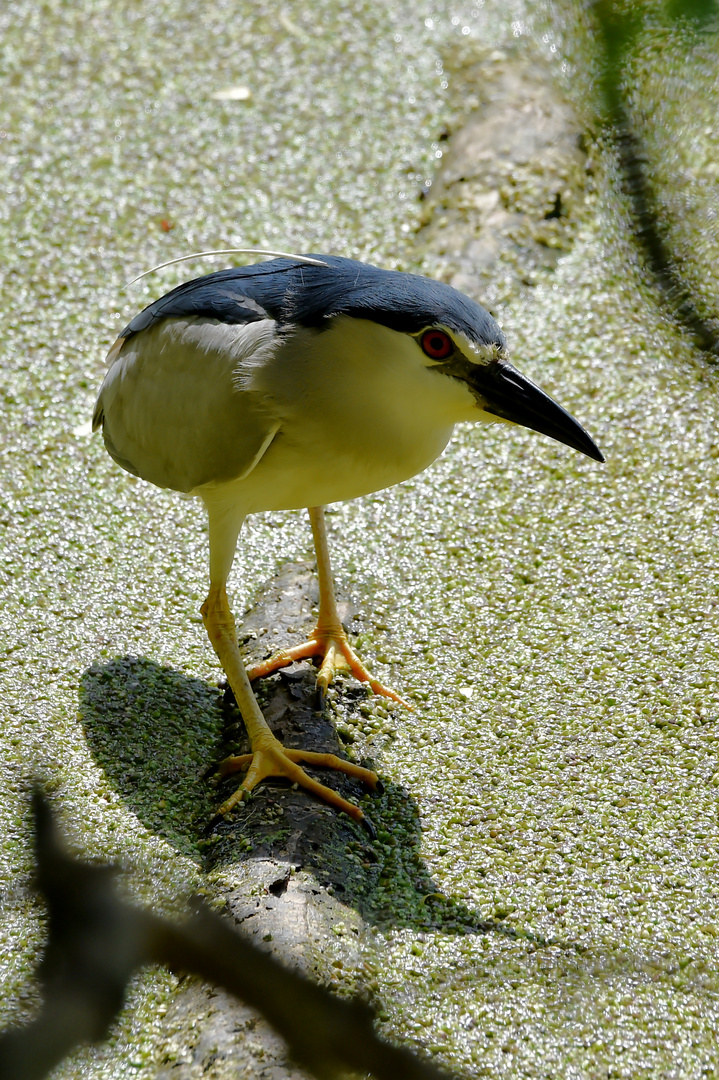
(328, 640)
(269, 757)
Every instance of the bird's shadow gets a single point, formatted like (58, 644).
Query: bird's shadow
(155, 731)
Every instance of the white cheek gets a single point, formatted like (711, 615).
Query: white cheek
(459, 401)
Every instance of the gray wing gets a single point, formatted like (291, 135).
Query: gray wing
(173, 408)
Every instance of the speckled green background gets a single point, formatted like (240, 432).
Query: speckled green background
(554, 620)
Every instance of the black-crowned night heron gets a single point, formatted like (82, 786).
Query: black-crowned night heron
(297, 382)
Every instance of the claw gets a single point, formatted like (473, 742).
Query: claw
(369, 827)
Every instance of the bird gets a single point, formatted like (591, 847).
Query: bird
(296, 382)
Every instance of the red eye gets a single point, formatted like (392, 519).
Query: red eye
(436, 344)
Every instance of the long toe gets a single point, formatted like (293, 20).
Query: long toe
(335, 654)
(273, 759)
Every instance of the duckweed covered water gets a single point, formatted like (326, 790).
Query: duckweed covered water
(554, 621)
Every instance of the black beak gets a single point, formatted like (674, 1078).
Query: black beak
(511, 395)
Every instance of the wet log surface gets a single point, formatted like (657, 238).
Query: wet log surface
(283, 864)
(515, 181)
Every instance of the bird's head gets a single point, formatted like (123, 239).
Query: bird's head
(499, 390)
(453, 335)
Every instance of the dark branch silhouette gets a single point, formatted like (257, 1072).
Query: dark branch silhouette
(97, 940)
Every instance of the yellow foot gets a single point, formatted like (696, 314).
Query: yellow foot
(336, 654)
(274, 759)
